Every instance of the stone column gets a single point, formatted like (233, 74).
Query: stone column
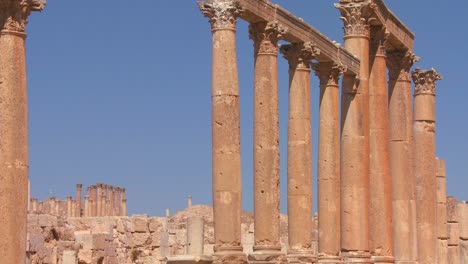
(442, 230)
(195, 236)
(266, 143)
(380, 211)
(69, 207)
(124, 207)
(86, 206)
(463, 214)
(401, 156)
(79, 190)
(118, 201)
(52, 206)
(99, 199)
(112, 200)
(189, 201)
(226, 161)
(329, 163)
(74, 208)
(299, 56)
(355, 136)
(94, 200)
(14, 128)
(34, 205)
(424, 165)
(453, 218)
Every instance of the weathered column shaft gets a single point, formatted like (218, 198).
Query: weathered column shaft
(299, 56)
(329, 163)
(453, 226)
(69, 207)
(99, 200)
(380, 211)
(124, 207)
(355, 136)
(195, 236)
(94, 198)
(442, 229)
(463, 213)
(424, 165)
(79, 190)
(14, 162)
(226, 160)
(266, 139)
(86, 206)
(112, 201)
(401, 156)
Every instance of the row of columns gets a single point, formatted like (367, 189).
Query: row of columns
(105, 200)
(381, 146)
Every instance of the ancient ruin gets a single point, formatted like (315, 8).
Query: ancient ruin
(381, 188)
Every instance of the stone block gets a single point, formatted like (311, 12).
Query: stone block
(92, 241)
(69, 257)
(442, 230)
(47, 221)
(452, 212)
(463, 251)
(454, 255)
(463, 212)
(442, 251)
(36, 242)
(140, 224)
(125, 225)
(156, 224)
(141, 239)
(454, 234)
(85, 256)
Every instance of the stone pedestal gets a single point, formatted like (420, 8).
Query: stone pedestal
(266, 143)
(424, 166)
(400, 104)
(329, 163)
(299, 56)
(355, 136)
(227, 188)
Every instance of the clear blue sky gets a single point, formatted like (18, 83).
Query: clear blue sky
(119, 92)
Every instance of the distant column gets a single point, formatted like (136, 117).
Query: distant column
(14, 162)
(69, 207)
(52, 206)
(227, 187)
(195, 236)
(299, 56)
(79, 190)
(86, 206)
(424, 166)
(112, 200)
(34, 205)
(329, 163)
(442, 229)
(266, 142)
(124, 207)
(117, 201)
(355, 135)
(463, 213)
(189, 201)
(94, 199)
(99, 200)
(453, 218)
(400, 104)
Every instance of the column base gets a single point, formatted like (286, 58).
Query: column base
(267, 255)
(329, 259)
(229, 255)
(188, 259)
(383, 259)
(357, 257)
(301, 257)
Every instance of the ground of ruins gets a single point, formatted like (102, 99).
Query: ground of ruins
(381, 188)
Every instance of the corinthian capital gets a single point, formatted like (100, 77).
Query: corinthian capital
(425, 81)
(14, 14)
(356, 15)
(222, 13)
(266, 36)
(329, 72)
(299, 55)
(399, 64)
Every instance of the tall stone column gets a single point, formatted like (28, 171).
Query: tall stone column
(400, 103)
(99, 200)
(79, 190)
(380, 213)
(442, 230)
(118, 201)
(14, 128)
(86, 206)
(226, 160)
(267, 247)
(424, 164)
(453, 218)
(329, 163)
(355, 136)
(52, 205)
(34, 205)
(463, 213)
(124, 207)
(112, 201)
(299, 56)
(94, 198)
(69, 207)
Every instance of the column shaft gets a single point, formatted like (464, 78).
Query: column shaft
(226, 160)
(355, 137)
(79, 189)
(401, 156)
(424, 166)
(266, 142)
(329, 163)
(380, 211)
(442, 229)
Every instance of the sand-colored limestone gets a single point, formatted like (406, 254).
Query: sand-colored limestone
(442, 229)
(226, 161)
(424, 164)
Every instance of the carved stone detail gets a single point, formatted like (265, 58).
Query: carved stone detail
(356, 15)
(222, 14)
(329, 72)
(299, 55)
(399, 64)
(378, 40)
(424, 81)
(266, 36)
(14, 14)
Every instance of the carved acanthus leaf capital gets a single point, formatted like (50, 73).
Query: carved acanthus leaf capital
(378, 39)
(265, 36)
(425, 81)
(356, 15)
(222, 14)
(399, 64)
(14, 13)
(329, 72)
(299, 55)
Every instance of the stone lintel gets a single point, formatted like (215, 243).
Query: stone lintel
(298, 31)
